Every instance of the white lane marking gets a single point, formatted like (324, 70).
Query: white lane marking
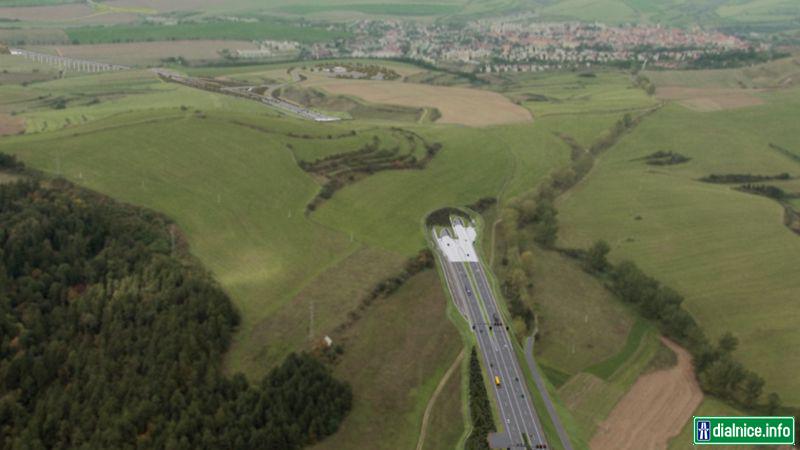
(481, 278)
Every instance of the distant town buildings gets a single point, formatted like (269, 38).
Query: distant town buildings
(521, 44)
(269, 49)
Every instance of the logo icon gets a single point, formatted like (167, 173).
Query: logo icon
(703, 430)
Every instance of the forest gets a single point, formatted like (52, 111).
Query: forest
(112, 337)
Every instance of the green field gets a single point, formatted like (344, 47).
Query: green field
(763, 14)
(559, 94)
(779, 73)
(580, 323)
(386, 209)
(445, 427)
(201, 30)
(726, 251)
(394, 387)
(383, 9)
(35, 2)
(675, 12)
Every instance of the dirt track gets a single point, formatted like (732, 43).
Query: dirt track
(654, 410)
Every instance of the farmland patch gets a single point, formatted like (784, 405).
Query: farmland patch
(654, 410)
(11, 125)
(709, 99)
(462, 106)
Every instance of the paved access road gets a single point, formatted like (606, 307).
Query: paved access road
(475, 299)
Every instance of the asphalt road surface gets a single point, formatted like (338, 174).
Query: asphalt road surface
(517, 415)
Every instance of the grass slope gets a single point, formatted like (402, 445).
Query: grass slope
(727, 252)
(580, 323)
(385, 210)
(393, 389)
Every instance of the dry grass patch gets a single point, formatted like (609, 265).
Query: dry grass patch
(334, 294)
(654, 410)
(462, 106)
(710, 99)
(75, 12)
(11, 125)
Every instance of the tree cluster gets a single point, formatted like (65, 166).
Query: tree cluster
(9, 163)
(342, 169)
(512, 291)
(645, 84)
(735, 58)
(743, 178)
(766, 190)
(482, 204)
(665, 158)
(112, 338)
(480, 410)
(441, 217)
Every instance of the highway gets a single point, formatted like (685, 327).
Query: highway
(474, 297)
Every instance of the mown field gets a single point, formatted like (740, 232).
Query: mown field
(774, 74)
(580, 323)
(584, 94)
(383, 9)
(201, 30)
(726, 251)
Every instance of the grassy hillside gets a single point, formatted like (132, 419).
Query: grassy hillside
(418, 343)
(580, 323)
(726, 251)
(676, 12)
(201, 30)
(386, 209)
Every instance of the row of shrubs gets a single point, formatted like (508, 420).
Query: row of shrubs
(422, 261)
(480, 410)
(346, 168)
(743, 178)
(766, 190)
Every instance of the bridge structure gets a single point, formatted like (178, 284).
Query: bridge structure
(65, 63)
